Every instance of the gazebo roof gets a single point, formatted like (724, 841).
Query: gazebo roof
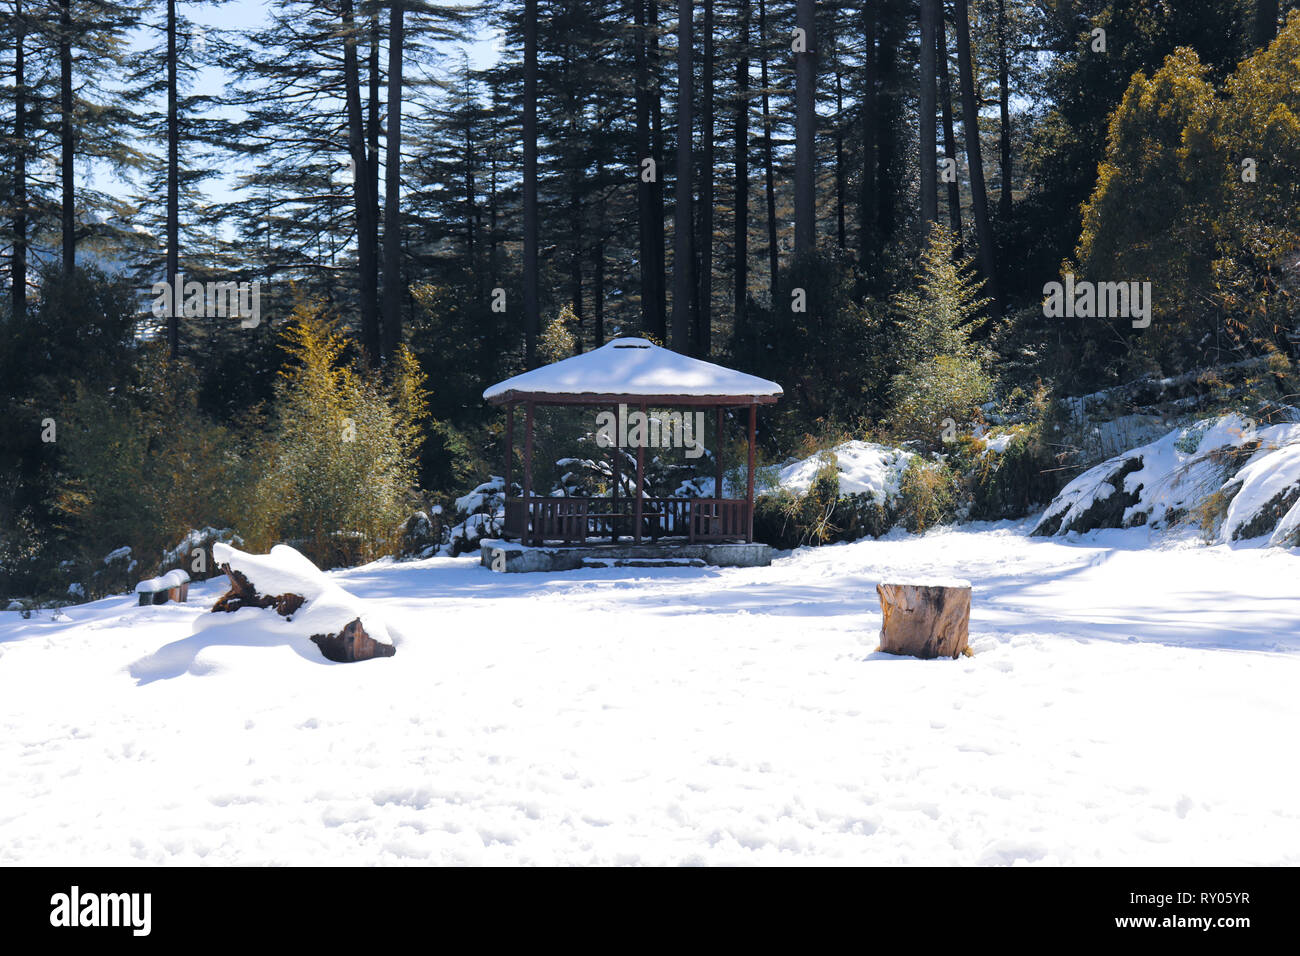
(634, 369)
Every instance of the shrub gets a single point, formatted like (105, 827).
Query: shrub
(342, 481)
(928, 495)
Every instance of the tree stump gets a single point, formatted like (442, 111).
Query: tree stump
(924, 620)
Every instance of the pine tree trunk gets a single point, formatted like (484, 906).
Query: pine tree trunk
(658, 233)
(805, 125)
(769, 177)
(741, 270)
(867, 182)
(683, 254)
(531, 318)
(67, 140)
(364, 203)
(840, 235)
(391, 335)
(173, 181)
(18, 254)
(949, 136)
(1004, 115)
(372, 147)
(644, 196)
(971, 128)
(925, 113)
(704, 311)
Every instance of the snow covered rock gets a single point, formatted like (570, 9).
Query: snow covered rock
(306, 604)
(1266, 491)
(1156, 484)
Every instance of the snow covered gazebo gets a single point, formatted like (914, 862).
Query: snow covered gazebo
(623, 377)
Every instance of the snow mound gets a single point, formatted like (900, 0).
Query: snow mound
(864, 468)
(1256, 469)
(326, 607)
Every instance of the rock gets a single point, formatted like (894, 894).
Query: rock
(351, 644)
(924, 620)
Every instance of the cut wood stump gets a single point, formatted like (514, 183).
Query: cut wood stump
(172, 586)
(924, 620)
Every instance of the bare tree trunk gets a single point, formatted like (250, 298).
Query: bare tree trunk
(173, 181)
(683, 254)
(769, 184)
(805, 126)
(644, 195)
(532, 322)
(971, 127)
(949, 137)
(703, 344)
(867, 184)
(67, 140)
(18, 255)
(364, 203)
(1004, 116)
(741, 270)
(925, 113)
(840, 234)
(372, 146)
(658, 229)
(392, 330)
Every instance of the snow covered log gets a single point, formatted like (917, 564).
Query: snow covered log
(172, 586)
(318, 615)
(924, 620)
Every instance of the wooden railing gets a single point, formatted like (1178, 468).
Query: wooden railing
(581, 520)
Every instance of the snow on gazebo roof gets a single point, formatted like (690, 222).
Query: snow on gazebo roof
(633, 368)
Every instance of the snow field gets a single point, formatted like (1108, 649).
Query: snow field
(1131, 701)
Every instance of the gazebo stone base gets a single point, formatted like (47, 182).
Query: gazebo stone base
(513, 557)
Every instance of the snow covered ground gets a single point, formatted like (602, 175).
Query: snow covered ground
(1131, 700)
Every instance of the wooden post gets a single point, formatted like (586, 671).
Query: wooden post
(510, 446)
(749, 492)
(616, 457)
(640, 477)
(528, 469)
(717, 454)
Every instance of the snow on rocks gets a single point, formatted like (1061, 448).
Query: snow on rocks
(1266, 490)
(864, 468)
(1156, 484)
(308, 606)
